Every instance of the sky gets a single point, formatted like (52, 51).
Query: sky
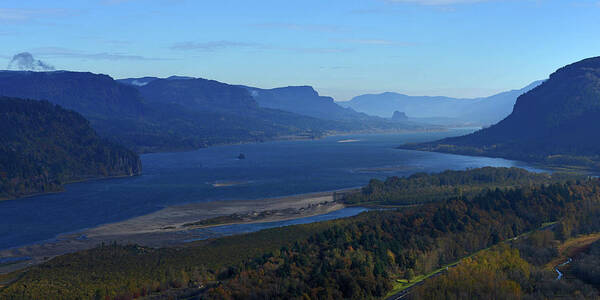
(343, 48)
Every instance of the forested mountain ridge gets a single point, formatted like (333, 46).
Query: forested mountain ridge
(204, 94)
(92, 95)
(177, 113)
(298, 107)
(118, 111)
(43, 146)
(305, 100)
(555, 123)
(198, 94)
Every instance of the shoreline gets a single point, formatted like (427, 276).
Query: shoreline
(542, 166)
(62, 185)
(276, 139)
(165, 227)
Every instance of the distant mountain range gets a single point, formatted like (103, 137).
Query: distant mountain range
(177, 113)
(556, 123)
(198, 95)
(399, 116)
(305, 100)
(203, 94)
(43, 146)
(93, 95)
(120, 111)
(302, 100)
(440, 110)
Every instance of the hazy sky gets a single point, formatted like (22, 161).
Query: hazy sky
(341, 47)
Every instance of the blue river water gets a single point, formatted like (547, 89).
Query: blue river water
(270, 169)
(225, 230)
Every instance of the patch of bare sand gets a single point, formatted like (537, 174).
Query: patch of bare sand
(165, 227)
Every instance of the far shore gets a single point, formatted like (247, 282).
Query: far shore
(173, 225)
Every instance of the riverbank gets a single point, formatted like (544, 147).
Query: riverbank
(345, 134)
(174, 225)
(171, 179)
(62, 185)
(570, 165)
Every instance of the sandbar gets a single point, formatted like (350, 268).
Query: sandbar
(170, 226)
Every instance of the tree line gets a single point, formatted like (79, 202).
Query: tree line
(43, 146)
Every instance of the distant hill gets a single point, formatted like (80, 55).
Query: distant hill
(304, 100)
(198, 94)
(555, 123)
(399, 116)
(43, 146)
(208, 95)
(227, 112)
(93, 95)
(178, 113)
(161, 123)
(440, 110)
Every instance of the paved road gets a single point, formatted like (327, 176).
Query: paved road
(560, 274)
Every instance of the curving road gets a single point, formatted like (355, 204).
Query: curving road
(560, 274)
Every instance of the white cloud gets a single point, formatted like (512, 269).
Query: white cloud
(69, 53)
(20, 15)
(210, 45)
(437, 2)
(312, 50)
(300, 27)
(380, 42)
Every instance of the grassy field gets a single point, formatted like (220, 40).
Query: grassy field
(402, 284)
(572, 247)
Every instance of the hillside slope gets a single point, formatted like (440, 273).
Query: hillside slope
(443, 110)
(43, 146)
(304, 100)
(198, 94)
(118, 111)
(299, 107)
(87, 93)
(236, 105)
(556, 122)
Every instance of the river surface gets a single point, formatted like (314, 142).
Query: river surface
(270, 169)
(225, 230)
